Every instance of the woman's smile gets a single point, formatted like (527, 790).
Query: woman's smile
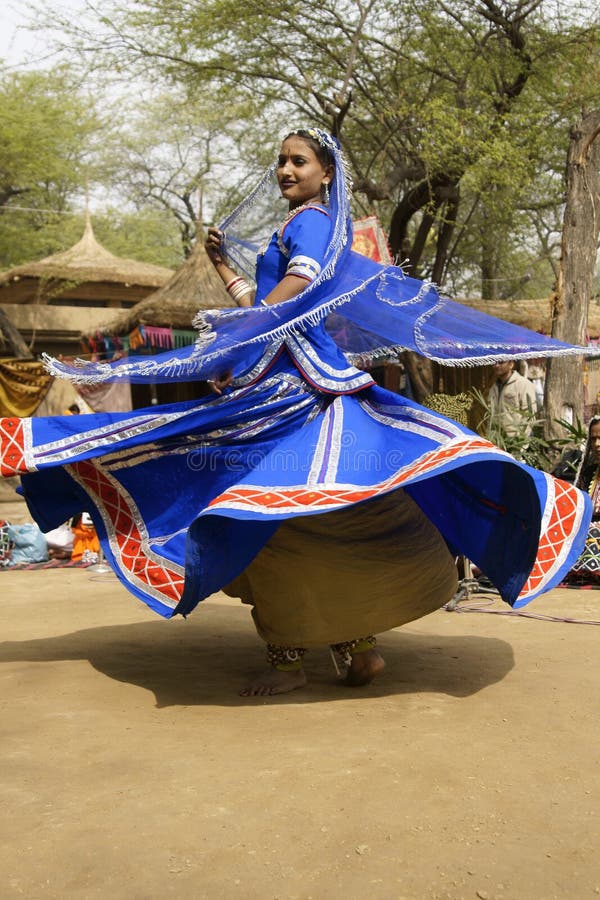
(300, 174)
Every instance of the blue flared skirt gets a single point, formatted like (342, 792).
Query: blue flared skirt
(185, 496)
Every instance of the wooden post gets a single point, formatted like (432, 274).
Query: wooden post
(563, 396)
(17, 345)
(420, 372)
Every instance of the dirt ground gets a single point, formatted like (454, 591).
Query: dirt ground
(131, 769)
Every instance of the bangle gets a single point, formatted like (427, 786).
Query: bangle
(237, 288)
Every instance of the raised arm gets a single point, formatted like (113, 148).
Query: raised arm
(237, 287)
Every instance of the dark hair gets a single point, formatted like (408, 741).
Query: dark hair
(322, 153)
(589, 464)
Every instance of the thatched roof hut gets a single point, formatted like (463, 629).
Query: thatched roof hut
(195, 285)
(84, 273)
(533, 314)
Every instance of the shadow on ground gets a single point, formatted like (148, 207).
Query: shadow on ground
(192, 662)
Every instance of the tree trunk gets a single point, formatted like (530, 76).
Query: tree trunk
(418, 368)
(563, 398)
(489, 258)
(13, 338)
(425, 196)
(445, 233)
(420, 372)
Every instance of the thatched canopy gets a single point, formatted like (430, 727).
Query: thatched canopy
(195, 285)
(533, 314)
(86, 271)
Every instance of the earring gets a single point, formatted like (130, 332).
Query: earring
(326, 194)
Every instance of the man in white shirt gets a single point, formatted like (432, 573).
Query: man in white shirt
(512, 400)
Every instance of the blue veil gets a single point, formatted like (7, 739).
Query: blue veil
(370, 310)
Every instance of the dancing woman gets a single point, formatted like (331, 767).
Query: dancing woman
(326, 579)
(330, 505)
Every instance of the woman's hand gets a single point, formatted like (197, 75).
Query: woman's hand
(238, 289)
(223, 381)
(214, 246)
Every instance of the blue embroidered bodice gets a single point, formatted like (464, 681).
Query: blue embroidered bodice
(298, 248)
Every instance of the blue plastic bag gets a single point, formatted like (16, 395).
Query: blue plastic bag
(29, 544)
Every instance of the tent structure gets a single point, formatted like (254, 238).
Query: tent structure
(85, 273)
(533, 314)
(195, 285)
(53, 300)
(163, 320)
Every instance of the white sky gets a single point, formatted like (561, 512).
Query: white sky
(15, 45)
(18, 46)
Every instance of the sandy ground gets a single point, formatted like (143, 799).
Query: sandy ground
(131, 769)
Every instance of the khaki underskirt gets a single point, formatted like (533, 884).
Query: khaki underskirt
(346, 574)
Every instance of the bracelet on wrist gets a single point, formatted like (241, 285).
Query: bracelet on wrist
(237, 288)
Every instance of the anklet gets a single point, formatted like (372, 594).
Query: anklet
(346, 649)
(285, 659)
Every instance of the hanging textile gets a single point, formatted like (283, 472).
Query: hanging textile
(106, 397)
(158, 337)
(23, 385)
(137, 338)
(182, 338)
(370, 240)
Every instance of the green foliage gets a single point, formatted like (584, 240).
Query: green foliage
(50, 148)
(47, 131)
(148, 235)
(180, 154)
(26, 236)
(455, 117)
(528, 443)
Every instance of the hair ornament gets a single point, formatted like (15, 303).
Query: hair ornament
(324, 139)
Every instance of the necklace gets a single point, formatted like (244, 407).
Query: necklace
(279, 230)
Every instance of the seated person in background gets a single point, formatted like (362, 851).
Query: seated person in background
(587, 568)
(86, 546)
(60, 542)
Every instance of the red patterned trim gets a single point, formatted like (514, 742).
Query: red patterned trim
(302, 498)
(12, 447)
(127, 538)
(563, 524)
(164, 581)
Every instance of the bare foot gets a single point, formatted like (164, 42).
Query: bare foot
(364, 667)
(273, 681)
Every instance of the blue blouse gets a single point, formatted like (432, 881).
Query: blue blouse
(298, 248)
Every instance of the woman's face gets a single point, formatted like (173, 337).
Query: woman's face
(300, 173)
(595, 440)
